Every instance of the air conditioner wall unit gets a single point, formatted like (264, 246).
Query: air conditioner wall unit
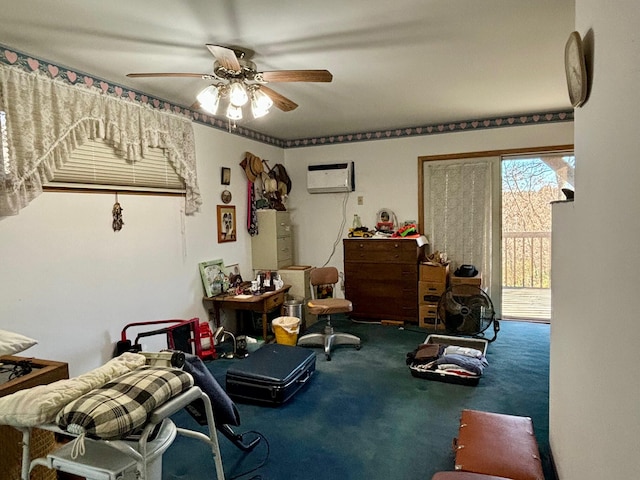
(331, 178)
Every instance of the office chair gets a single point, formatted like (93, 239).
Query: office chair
(325, 279)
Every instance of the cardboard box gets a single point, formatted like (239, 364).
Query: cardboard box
(428, 315)
(476, 281)
(429, 292)
(434, 273)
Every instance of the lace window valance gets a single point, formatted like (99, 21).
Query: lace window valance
(45, 120)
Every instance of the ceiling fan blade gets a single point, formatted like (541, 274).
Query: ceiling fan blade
(297, 76)
(195, 75)
(225, 56)
(280, 101)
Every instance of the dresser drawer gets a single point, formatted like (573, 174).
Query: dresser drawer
(389, 308)
(381, 288)
(387, 275)
(381, 251)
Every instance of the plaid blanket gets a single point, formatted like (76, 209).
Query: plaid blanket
(121, 406)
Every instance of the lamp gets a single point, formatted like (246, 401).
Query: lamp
(238, 94)
(239, 351)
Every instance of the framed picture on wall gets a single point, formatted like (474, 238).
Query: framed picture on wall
(212, 273)
(225, 176)
(226, 223)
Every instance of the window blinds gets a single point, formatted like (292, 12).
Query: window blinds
(97, 165)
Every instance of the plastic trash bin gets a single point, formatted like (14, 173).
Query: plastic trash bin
(286, 330)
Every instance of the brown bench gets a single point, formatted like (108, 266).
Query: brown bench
(494, 445)
(464, 476)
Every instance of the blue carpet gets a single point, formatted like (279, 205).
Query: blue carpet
(363, 416)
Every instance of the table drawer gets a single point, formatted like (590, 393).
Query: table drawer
(273, 302)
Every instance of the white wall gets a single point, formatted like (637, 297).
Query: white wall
(594, 388)
(386, 177)
(69, 281)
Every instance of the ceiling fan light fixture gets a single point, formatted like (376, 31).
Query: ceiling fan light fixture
(234, 112)
(238, 81)
(238, 94)
(258, 112)
(260, 103)
(209, 99)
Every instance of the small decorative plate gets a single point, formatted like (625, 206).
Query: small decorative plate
(226, 196)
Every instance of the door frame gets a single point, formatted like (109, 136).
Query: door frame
(496, 280)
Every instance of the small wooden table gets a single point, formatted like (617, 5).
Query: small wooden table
(44, 372)
(42, 441)
(264, 303)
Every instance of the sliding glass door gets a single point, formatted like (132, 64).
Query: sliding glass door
(492, 209)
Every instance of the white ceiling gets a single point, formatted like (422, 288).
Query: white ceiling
(395, 64)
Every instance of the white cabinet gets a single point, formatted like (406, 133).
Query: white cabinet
(272, 248)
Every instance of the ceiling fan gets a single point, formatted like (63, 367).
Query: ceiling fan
(238, 79)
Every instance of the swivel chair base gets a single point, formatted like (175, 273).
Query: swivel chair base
(328, 339)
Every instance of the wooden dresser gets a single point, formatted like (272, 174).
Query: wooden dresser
(381, 278)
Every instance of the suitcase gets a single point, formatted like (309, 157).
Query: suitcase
(444, 376)
(498, 444)
(271, 375)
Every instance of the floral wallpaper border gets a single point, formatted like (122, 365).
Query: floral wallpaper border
(10, 56)
(507, 121)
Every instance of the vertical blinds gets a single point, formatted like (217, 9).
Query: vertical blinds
(95, 164)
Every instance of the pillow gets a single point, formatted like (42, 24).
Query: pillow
(39, 405)
(12, 343)
(123, 405)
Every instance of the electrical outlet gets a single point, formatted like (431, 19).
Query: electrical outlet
(360, 200)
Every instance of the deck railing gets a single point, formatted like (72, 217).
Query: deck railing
(526, 259)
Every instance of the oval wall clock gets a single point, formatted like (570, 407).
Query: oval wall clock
(575, 69)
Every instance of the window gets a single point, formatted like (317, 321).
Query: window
(60, 117)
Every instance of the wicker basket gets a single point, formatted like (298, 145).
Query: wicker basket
(42, 442)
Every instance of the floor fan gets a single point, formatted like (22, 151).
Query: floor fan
(467, 310)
